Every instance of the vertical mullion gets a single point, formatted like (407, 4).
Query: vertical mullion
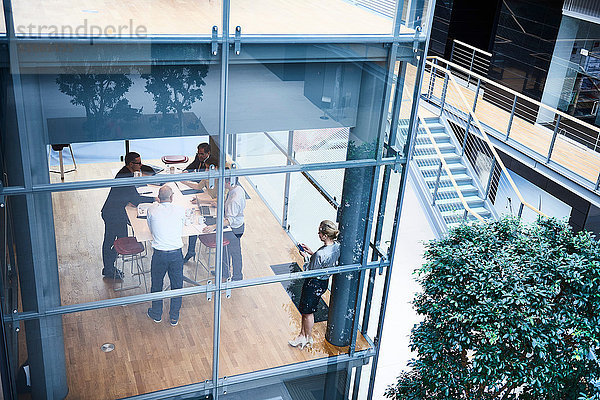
(13, 57)
(403, 177)
(221, 193)
(286, 188)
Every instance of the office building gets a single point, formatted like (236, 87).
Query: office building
(308, 105)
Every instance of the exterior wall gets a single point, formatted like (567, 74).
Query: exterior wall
(304, 116)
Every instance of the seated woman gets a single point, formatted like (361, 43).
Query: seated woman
(327, 256)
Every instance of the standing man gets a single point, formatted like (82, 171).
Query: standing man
(115, 217)
(166, 221)
(235, 202)
(201, 163)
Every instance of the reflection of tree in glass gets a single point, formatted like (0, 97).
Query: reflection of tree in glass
(176, 88)
(101, 95)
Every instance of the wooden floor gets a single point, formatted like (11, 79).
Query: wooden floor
(571, 155)
(192, 17)
(256, 322)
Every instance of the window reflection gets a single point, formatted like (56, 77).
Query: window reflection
(109, 105)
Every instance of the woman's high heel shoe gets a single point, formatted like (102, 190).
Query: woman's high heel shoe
(309, 342)
(299, 341)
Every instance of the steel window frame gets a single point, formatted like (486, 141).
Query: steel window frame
(225, 40)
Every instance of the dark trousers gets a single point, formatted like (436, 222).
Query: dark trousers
(192, 245)
(113, 228)
(164, 262)
(235, 252)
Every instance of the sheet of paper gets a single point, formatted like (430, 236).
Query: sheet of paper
(148, 190)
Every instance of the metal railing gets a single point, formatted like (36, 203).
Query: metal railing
(470, 58)
(476, 145)
(590, 8)
(548, 135)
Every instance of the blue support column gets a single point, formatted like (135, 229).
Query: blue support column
(35, 243)
(356, 194)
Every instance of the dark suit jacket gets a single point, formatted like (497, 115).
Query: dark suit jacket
(119, 197)
(197, 165)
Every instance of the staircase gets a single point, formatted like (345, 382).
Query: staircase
(434, 186)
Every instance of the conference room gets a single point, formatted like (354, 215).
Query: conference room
(300, 132)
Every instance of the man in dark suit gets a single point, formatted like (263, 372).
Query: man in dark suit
(115, 217)
(202, 161)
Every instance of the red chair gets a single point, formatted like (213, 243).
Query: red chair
(174, 159)
(210, 242)
(130, 250)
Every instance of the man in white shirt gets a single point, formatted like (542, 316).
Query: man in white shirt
(235, 202)
(166, 222)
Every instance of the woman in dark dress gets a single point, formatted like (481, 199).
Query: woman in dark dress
(327, 256)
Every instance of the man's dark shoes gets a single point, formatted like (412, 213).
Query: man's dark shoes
(152, 318)
(115, 274)
(188, 257)
(174, 321)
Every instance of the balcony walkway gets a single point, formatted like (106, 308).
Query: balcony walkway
(569, 158)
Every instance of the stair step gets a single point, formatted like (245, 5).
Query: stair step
(433, 158)
(449, 191)
(472, 201)
(433, 127)
(429, 149)
(445, 180)
(432, 171)
(454, 168)
(438, 137)
(452, 214)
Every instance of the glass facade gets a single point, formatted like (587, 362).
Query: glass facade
(300, 108)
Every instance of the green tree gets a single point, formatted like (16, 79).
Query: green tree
(176, 88)
(102, 96)
(509, 312)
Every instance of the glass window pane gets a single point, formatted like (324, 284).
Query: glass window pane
(116, 352)
(87, 245)
(407, 79)
(112, 19)
(286, 104)
(88, 107)
(258, 322)
(313, 17)
(255, 243)
(280, 211)
(385, 207)
(326, 382)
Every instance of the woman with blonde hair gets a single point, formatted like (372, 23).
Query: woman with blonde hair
(327, 256)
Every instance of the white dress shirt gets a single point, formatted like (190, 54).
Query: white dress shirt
(166, 222)
(234, 206)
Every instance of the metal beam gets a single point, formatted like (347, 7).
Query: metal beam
(157, 179)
